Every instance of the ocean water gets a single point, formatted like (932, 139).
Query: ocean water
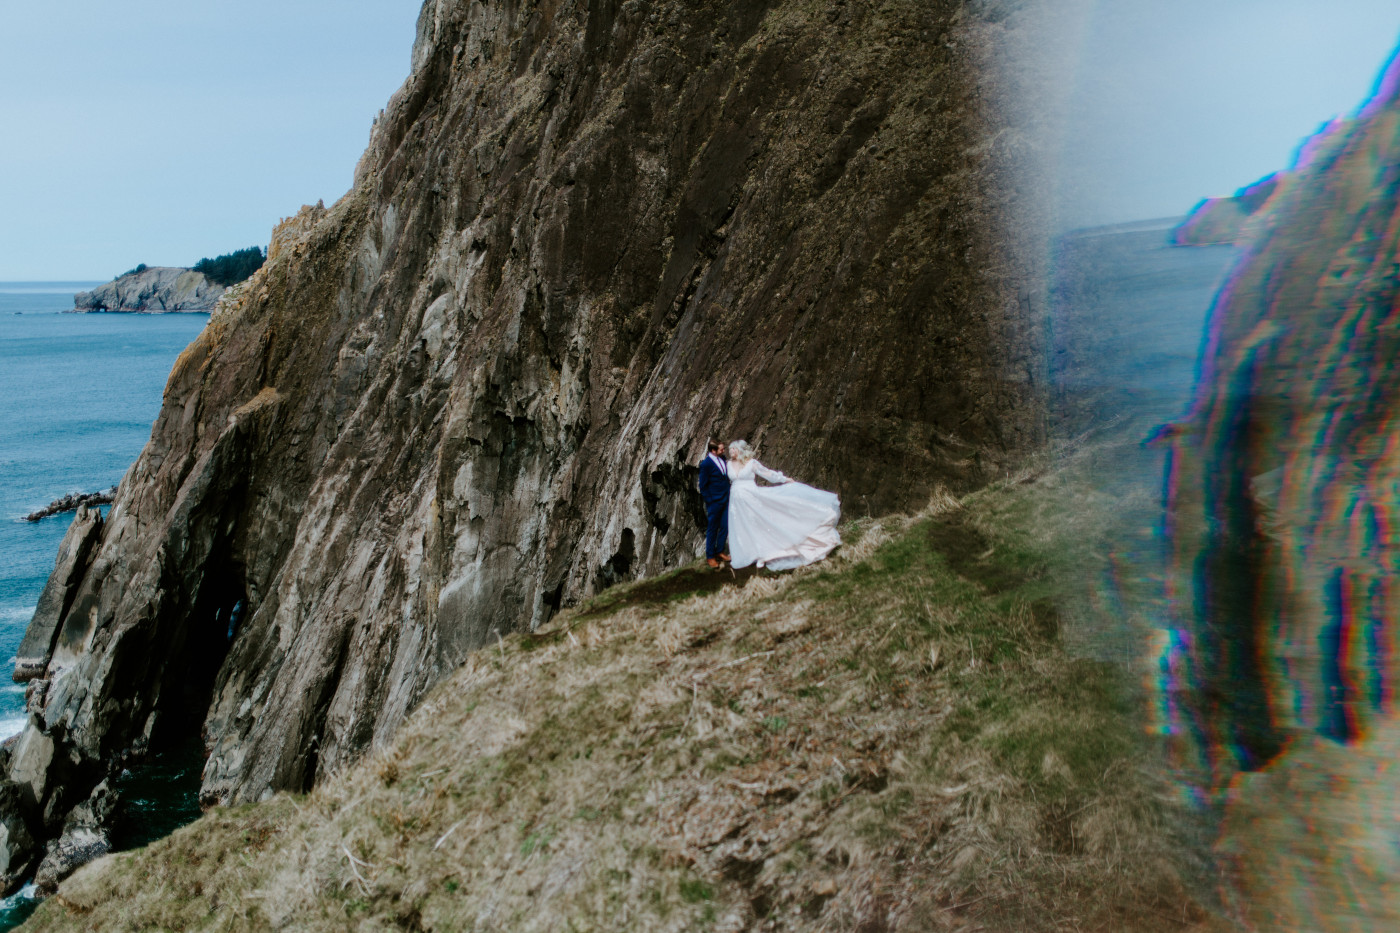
(78, 395)
(77, 398)
(1128, 315)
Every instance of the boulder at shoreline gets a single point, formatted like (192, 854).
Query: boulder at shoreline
(73, 501)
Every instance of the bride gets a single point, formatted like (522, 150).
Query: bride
(778, 527)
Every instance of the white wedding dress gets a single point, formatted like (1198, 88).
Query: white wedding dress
(778, 527)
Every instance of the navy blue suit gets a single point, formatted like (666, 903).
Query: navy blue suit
(714, 489)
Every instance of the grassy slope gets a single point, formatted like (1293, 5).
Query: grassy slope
(894, 739)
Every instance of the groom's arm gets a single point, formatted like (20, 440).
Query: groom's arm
(710, 479)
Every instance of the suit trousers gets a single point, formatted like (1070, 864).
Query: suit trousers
(716, 528)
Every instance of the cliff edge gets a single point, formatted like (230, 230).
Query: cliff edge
(893, 739)
(153, 289)
(583, 239)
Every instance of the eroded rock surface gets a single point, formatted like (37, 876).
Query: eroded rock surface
(583, 238)
(154, 289)
(84, 838)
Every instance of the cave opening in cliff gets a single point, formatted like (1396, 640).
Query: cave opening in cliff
(619, 566)
(203, 643)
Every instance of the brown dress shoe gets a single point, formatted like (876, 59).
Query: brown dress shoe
(726, 558)
(714, 564)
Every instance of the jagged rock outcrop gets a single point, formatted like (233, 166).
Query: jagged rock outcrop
(154, 289)
(74, 557)
(583, 238)
(85, 837)
(1283, 509)
(18, 847)
(72, 502)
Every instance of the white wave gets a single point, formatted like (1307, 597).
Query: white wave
(12, 688)
(27, 893)
(16, 614)
(12, 725)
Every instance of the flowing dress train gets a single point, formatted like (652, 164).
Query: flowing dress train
(779, 527)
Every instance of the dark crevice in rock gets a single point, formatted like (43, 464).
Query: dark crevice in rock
(553, 600)
(204, 642)
(300, 775)
(673, 484)
(619, 566)
(1226, 588)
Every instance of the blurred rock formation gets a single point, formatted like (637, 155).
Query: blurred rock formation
(1283, 509)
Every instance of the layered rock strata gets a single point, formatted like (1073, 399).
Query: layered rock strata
(584, 238)
(153, 290)
(1285, 496)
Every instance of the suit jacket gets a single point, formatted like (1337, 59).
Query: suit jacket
(714, 482)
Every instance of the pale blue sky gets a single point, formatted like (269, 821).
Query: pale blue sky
(1177, 100)
(158, 131)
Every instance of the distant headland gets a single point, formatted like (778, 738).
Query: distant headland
(1230, 220)
(163, 289)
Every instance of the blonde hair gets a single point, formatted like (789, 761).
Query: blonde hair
(740, 452)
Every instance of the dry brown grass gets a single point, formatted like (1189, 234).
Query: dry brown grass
(875, 743)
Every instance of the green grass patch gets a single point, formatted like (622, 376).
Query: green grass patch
(537, 841)
(696, 890)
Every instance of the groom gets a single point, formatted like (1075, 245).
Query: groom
(714, 489)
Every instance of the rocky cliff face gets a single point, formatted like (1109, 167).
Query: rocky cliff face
(1284, 504)
(155, 289)
(584, 237)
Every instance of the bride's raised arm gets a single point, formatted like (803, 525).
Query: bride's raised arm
(773, 476)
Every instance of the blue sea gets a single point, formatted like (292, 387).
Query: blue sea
(78, 395)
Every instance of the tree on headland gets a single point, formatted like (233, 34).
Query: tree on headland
(232, 268)
(137, 271)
